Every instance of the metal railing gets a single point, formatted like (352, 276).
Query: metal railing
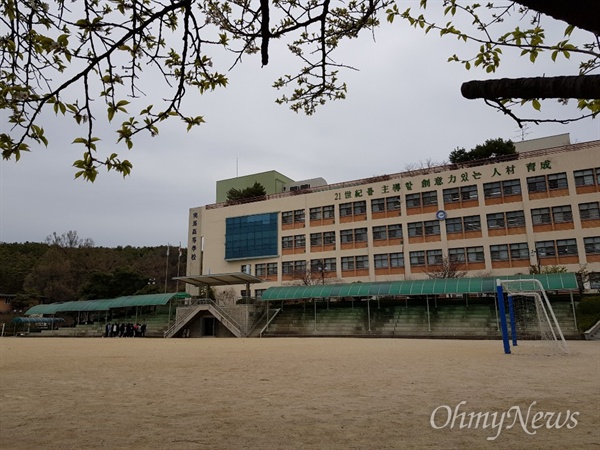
(196, 306)
(269, 321)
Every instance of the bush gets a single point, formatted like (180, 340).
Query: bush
(588, 313)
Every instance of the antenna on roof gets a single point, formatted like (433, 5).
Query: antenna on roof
(523, 132)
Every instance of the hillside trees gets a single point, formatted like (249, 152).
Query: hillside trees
(56, 273)
(93, 63)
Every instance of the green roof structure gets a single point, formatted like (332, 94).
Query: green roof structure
(486, 285)
(105, 305)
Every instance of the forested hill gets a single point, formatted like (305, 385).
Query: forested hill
(64, 270)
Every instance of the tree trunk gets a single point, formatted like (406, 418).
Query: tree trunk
(583, 14)
(584, 86)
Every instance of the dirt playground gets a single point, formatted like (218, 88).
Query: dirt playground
(296, 394)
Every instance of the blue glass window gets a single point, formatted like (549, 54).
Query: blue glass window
(253, 236)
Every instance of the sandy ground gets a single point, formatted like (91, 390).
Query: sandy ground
(295, 393)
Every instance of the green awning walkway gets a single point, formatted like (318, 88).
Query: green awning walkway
(105, 305)
(484, 285)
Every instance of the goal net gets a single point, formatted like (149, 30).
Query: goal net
(531, 315)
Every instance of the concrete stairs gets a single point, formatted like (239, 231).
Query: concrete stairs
(446, 320)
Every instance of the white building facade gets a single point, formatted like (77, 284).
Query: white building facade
(535, 210)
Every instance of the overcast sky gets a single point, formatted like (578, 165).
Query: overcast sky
(404, 107)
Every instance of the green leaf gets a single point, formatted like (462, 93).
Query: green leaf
(536, 104)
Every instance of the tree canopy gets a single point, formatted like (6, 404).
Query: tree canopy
(255, 191)
(492, 148)
(88, 62)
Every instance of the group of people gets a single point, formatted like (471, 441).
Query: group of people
(125, 330)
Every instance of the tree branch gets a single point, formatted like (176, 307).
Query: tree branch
(582, 86)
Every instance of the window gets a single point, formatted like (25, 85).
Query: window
(325, 265)
(345, 209)
(362, 262)
(346, 236)
(258, 293)
(545, 248)
(392, 203)
(417, 258)
(451, 195)
(492, 190)
(329, 238)
(595, 279)
(468, 192)
(330, 265)
(395, 231)
(415, 229)
(432, 227)
(475, 254)
(557, 181)
(589, 211)
(253, 236)
(360, 208)
(287, 242)
(434, 257)
(472, 223)
(499, 252)
(316, 213)
(347, 262)
(566, 247)
(260, 270)
(495, 221)
(592, 245)
(515, 219)
(272, 268)
(328, 212)
(380, 233)
(413, 200)
(536, 184)
(287, 217)
(397, 259)
(300, 241)
(360, 235)
(429, 198)
(541, 216)
(377, 205)
(502, 188)
(456, 254)
(585, 177)
(299, 215)
(511, 187)
(519, 251)
(316, 239)
(381, 261)
(454, 225)
(287, 267)
(356, 208)
(562, 214)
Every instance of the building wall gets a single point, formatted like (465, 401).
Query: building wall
(272, 181)
(458, 191)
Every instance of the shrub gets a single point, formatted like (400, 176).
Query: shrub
(588, 313)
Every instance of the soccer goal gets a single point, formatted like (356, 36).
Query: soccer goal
(531, 315)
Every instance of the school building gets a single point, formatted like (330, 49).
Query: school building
(536, 210)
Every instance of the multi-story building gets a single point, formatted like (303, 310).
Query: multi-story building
(531, 211)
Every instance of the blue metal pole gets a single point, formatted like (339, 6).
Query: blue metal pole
(513, 324)
(502, 311)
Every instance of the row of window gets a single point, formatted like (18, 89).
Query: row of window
(468, 255)
(500, 220)
(497, 189)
